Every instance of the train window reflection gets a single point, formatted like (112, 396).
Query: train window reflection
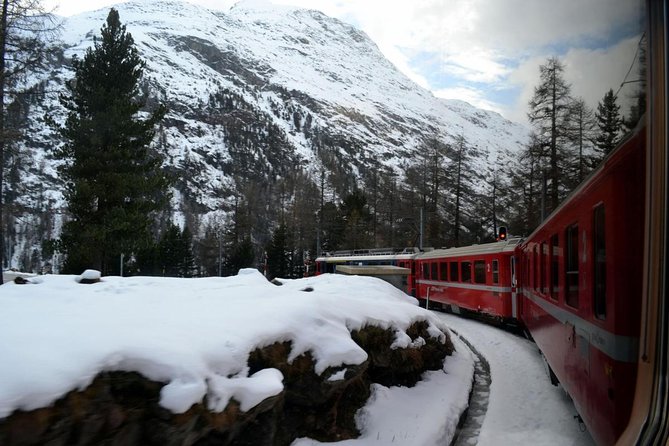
(599, 256)
(571, 266)
(454, 272)
(434, 273)
(466, 271)
(479, 271)
(542, 269)
(495, 272)
(555, 278)
(443, 270)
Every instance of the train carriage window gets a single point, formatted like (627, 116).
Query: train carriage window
(571, 266)
(443, 270)
(454, 272)
(434, 272)
(495, 271)
(542, 269)
(555, 279)
(535, 268)
(426, 270)
(466, 271)
(479, 271)
(599, 256)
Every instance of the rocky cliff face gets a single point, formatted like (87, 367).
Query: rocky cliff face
(257, 96)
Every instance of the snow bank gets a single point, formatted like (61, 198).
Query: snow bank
(194, 334)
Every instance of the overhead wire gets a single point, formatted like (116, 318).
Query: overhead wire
(636, 55)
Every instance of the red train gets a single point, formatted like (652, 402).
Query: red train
(478, 278)
(581, 276)
(589, 284)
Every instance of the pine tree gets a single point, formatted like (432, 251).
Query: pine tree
(240, 255)
(278, 254)
(609, 122)
(175, 252)
(549, 113)
(462, 175)
(355, 214)
(114, 181)
(582, 135)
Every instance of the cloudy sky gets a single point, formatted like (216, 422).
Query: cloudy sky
(486, 52)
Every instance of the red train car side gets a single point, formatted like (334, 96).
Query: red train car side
(478, 278)
(581, 274)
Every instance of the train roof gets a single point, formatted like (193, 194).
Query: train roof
(373, 270)
(369, 254)
(486, 248)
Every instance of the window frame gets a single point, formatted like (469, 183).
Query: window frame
(554, 258)
(571, 266)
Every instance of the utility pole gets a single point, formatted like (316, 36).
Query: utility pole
(220, 254)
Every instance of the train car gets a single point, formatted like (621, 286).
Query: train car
(394, 257)
(581, 282)
(478, 278)
(594, 276)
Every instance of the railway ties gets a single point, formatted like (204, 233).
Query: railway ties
(472, 418)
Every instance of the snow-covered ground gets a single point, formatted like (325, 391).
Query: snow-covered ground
(524, 408)
(56, 335)
(196, 335)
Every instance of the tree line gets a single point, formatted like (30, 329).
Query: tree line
(568, 141)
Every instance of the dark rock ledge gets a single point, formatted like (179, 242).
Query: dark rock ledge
(122, 408)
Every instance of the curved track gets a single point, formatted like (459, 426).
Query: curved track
(472, 419)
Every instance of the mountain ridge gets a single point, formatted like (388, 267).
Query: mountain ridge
(270, 88)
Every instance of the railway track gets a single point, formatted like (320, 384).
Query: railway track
(472, 418)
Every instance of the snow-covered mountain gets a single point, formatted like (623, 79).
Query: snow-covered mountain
(253, 93)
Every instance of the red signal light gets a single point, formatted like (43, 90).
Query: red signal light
(502, 233)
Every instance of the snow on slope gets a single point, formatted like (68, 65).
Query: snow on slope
(334, 64)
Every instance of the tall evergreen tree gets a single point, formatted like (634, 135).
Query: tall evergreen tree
(582, 135)
(240, 255)
(462, 174)
(549, 113)
(24, 28)
(175, 253)
(609, 122)
(114, 180)
(279, 254)
(355, 214)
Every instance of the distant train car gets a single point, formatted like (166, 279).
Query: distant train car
(581, 286)
(394, 257)
(478, 278)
